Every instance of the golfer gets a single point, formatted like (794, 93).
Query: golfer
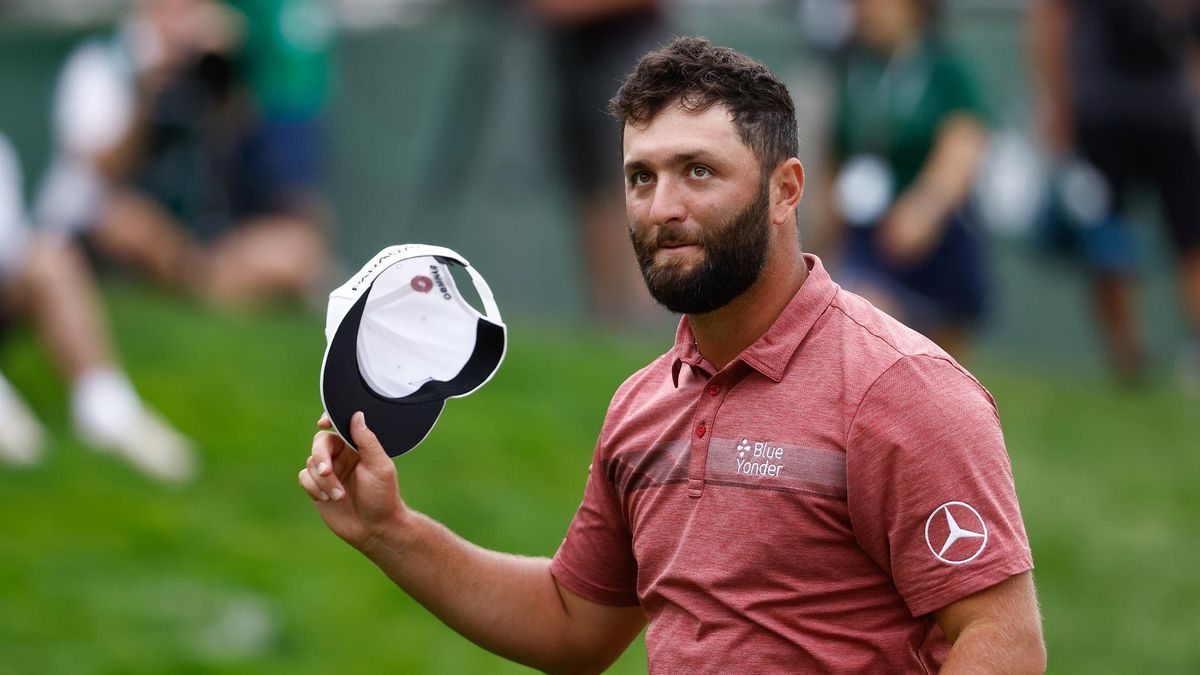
(801, 484)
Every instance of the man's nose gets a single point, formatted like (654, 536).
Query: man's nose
(668, 204)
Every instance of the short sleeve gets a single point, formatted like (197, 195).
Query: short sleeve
(959, 91)
(930, 487)
(595, 560)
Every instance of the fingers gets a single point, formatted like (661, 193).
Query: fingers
(324, 447)
(330, 462)
(327, 449)
(369, 448)
(310, 486)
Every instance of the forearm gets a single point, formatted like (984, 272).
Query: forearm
(946, 179)
(992, 648)
(507, 604)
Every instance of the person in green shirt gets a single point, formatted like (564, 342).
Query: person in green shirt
(285, 59)
(909, 133)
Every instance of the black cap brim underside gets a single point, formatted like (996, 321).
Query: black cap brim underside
(400, 424)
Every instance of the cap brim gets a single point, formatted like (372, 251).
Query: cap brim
(400, 426)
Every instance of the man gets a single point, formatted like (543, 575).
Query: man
(801, 484)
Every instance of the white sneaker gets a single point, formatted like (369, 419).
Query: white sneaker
(109, 415)
(22, 439)
(149, 443)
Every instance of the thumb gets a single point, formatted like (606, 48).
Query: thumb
(369, 448)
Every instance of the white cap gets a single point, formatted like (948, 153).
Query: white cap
(401, 340)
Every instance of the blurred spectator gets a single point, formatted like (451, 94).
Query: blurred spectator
(1117, 84)
(594, 43)
(45, 277)
(166, 161)
(909, 133)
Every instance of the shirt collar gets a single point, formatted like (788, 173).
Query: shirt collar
(772, 351)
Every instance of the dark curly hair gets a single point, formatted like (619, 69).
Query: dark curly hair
(692, 73)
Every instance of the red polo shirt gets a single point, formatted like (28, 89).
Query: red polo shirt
(803, 509)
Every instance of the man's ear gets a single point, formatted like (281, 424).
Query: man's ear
(787, 189)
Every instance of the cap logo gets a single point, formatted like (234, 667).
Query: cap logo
(437, 278)
(422, 283)
(955, 533)
(369, 269)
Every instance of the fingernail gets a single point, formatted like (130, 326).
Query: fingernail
(324, 497)
(361, 420)
(338, 493)
(323, 468)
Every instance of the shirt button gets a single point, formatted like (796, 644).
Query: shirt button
(700, 429)
(714, 389)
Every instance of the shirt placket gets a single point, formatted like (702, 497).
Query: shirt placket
(712, 396)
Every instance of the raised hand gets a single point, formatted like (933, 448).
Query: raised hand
(355, 492)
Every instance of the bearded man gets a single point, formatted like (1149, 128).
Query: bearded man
(801, 484)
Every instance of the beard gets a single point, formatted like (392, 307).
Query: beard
(734, 255)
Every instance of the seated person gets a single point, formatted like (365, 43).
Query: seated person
(44, 277)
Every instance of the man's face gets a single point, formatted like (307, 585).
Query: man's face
(697, 204)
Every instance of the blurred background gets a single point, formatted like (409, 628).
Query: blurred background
(181, 161)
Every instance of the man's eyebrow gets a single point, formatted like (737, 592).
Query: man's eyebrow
(683, 157)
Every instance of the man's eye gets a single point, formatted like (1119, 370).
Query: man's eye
(639, 178)
(700, 171)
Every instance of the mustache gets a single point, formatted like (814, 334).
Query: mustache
(667, 236)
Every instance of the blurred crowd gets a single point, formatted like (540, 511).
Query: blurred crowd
(1115, 90)
(189, 148)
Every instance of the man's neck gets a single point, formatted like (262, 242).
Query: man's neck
(724, 333)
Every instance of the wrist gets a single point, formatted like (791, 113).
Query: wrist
(395, 534)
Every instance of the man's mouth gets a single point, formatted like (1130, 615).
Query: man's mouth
(678, 245)
(668, 241)
(676, 252)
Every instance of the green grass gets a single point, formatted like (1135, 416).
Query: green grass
(105, 571)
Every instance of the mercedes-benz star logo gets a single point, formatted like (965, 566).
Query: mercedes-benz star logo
(961, 533)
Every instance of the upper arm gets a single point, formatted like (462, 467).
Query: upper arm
(1000, 623)
(602, 614)
(964, 118)
(930, 489)
(1011, 602)
(602, 632)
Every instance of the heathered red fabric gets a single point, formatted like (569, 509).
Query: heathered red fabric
(787, 513)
